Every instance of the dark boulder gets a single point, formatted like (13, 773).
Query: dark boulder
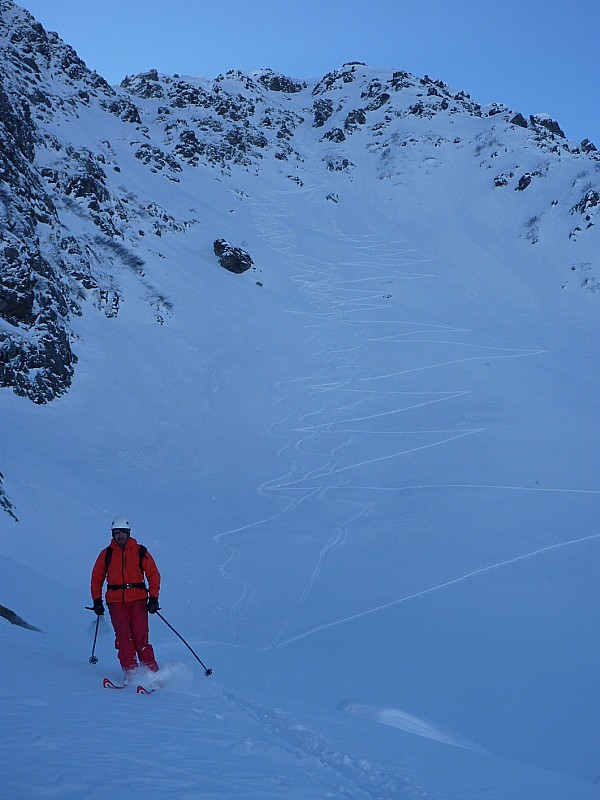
(524, 182)
(232, 258)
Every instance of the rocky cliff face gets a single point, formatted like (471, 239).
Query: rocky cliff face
(68, 222)
(47, 269)
(42, 79)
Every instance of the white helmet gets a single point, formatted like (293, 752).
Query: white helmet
(120, 522)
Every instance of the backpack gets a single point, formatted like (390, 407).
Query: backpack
(108, 556)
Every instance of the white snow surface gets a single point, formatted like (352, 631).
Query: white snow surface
(367, 469)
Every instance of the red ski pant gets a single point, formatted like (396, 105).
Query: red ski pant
(130, 621)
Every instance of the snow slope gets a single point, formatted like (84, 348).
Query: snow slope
(367, 470)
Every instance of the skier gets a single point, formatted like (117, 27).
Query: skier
(123, 565)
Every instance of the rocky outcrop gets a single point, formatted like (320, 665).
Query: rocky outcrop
(46, 273)
(336, 79)
(231, 258)
(15, 619)
(322, 111)
(548, 123)
(587, 207)
(519, 120)
(35, 353)
(5, 503)
(280, 83)
(144, 85)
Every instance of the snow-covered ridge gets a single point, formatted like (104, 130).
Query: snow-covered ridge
(354, 97)
(70, 141)
(66, 205)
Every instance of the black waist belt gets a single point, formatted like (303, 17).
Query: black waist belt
(127, 586)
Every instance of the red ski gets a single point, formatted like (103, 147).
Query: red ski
(108, 684)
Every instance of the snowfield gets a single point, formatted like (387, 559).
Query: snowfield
(367, 469)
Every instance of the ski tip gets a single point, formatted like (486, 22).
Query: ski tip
(143, 690)
(108, 684)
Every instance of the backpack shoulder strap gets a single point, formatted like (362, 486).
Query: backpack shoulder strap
(108, 556)
(143, 551)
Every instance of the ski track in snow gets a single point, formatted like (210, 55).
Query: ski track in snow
(339, 332)
(367, 780)
(467, 576)
(213, 743)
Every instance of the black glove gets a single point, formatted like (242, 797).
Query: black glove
(98, 607)
(152, 605)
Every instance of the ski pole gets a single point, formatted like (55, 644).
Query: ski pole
(93, 659)
(207, 671)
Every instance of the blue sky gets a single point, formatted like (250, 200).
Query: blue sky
(533, 55)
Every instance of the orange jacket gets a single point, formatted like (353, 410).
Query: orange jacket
(124, 568)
